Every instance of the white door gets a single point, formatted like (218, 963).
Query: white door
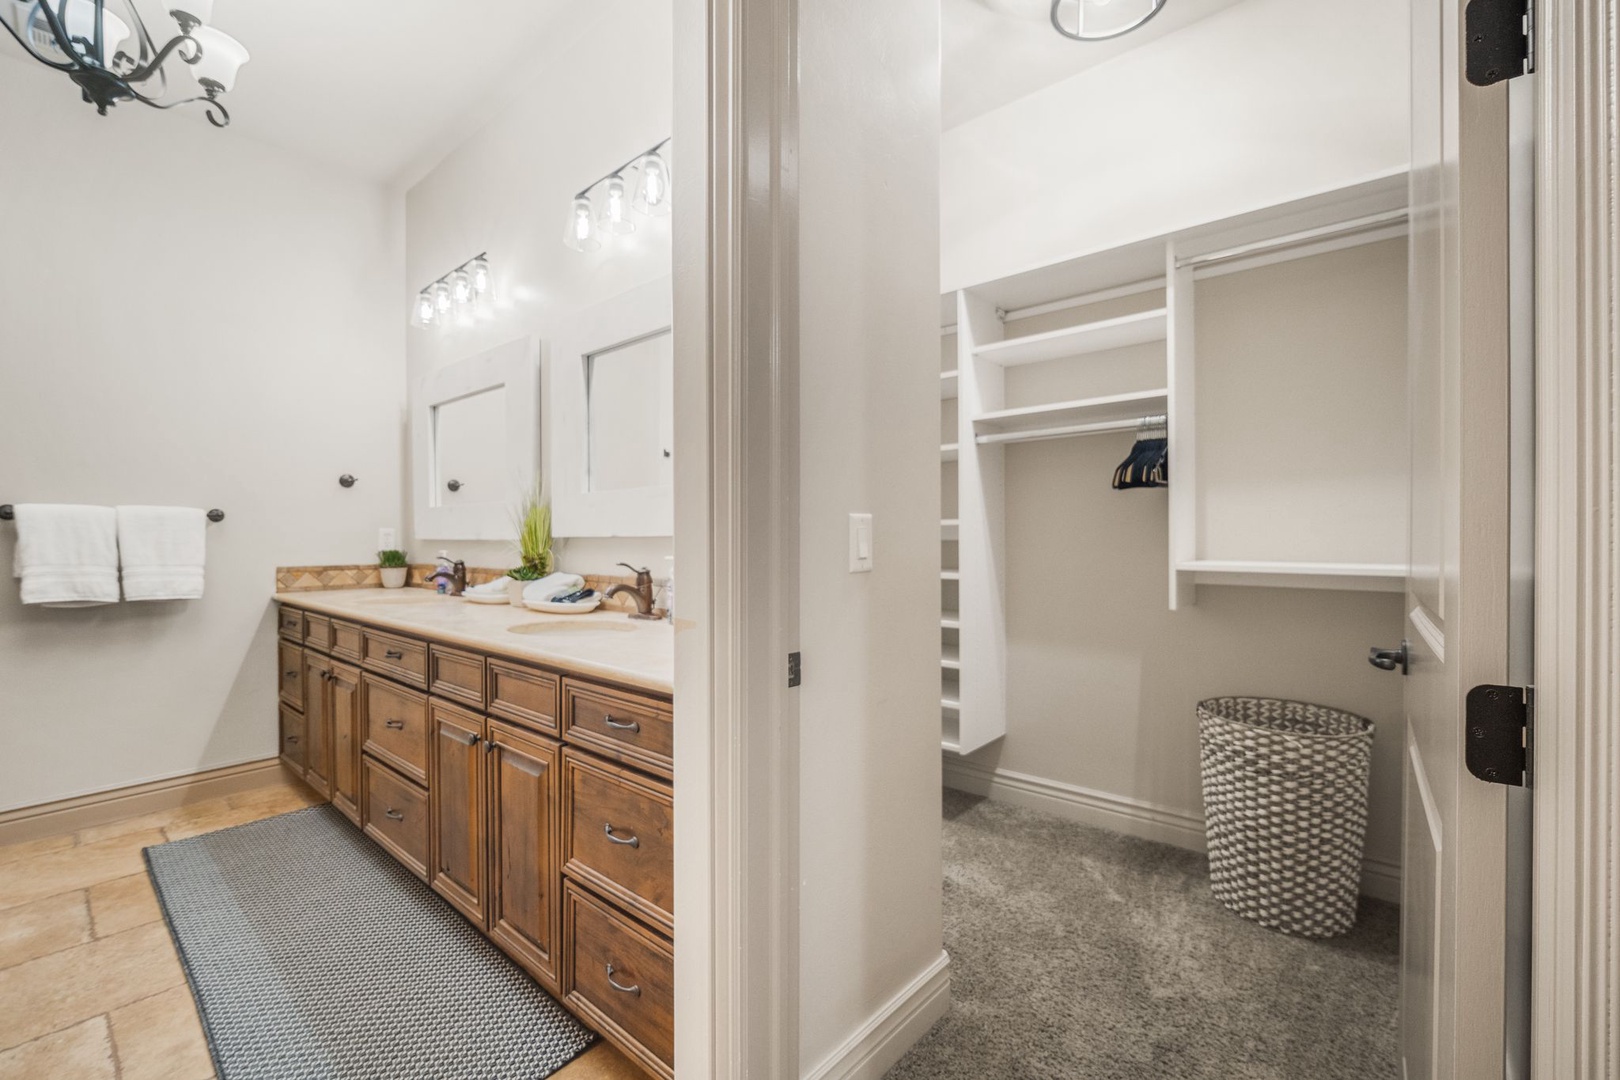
(1453, 938)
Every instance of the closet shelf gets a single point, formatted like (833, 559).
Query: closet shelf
(949, 528)
(948, 383)
(951, 658)
(948, 451)
(950, 575)
(1078, 340)
(1116, 412)
(950, 620)
(1345, 577)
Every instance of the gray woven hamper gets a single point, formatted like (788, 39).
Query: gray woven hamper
(1285, 804)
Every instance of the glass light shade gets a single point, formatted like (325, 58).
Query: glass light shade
(615, 216)
(461, 290)
(652, 186)
(441, 297)
(79, 23)
(480, 276)
(1099, 20)
(581, 233)
(222, 57)
(424, 308)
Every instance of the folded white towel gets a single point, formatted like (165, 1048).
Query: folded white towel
(67, 556)
(552, 585)
(162, 549)
(490, 588)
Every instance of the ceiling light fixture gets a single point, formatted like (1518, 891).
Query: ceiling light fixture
(587, 227)
(455, 296)
(106, 48)
(1099, 20)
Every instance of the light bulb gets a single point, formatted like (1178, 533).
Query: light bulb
(652, 186)
(580, 232)
(615, 216)
(461, 289)
(480, 275)
(424, 308)
(441, 297)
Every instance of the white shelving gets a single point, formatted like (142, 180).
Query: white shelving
(951, 658)
(950, 575)
(1111, 413)
(950, 620)
(949, 528)
(1140, 329)
(948, 382)
(949, 451)
(1347, 577)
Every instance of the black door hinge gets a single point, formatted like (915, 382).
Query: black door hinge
(1499, 728)
(795, 669)
(1501, 40)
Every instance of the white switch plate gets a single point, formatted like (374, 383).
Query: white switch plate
(386, 539)
(860, 543)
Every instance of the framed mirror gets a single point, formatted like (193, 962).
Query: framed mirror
(476, 443)
(611, 417)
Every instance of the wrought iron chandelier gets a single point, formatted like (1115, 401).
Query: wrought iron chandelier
(108, 48)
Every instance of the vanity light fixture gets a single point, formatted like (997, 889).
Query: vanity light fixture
(454, 296)
(589, 225)
(1099, 20)
(107, 48)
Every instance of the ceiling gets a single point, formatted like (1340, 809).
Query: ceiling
(997, 51)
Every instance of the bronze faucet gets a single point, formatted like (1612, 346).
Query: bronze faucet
(455, 574)
(642, 590)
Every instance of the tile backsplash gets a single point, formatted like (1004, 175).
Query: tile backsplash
(366, 576)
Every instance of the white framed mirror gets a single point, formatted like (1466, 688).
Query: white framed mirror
(611, 416)
(475, 438)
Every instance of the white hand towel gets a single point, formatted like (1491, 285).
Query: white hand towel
(67, 556)
(552, 585)
(162, 549)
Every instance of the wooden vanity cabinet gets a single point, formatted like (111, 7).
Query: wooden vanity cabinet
(343, 705)
(317, 676)
(456, 798)
(524, 903)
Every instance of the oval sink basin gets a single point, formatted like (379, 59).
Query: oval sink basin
(404, 596)
(560, 627)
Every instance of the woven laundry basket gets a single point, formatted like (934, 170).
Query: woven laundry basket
(1285, 802)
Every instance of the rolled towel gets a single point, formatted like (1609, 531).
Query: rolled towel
(162, 549)
(550, 586)
(490, 588)
(67, 556)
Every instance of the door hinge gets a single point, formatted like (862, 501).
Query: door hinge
(1501, 40)
(1500, 725)
(795, 669)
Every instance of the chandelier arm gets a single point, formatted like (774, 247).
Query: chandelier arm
(141, 74)
(57, 64)
(213, 105)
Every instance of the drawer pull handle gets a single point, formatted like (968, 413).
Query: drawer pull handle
(393, 654)
(292, 738)
(634, 841)
(393, 815)
(612, 723)
(397, 725)
(292, 674)
(636, 989)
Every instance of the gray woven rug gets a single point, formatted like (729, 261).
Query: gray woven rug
(314, 956)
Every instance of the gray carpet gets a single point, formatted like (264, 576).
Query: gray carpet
(315, 956)
(1079, 954)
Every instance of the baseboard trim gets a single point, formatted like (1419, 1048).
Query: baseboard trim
(885, 1037)
(1379, 879)
(104, 807)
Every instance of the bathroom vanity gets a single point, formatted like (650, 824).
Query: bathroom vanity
(520, 764)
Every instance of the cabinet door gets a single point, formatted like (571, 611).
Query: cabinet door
(292, 739)
(525, 911)
(343, 703)
(290, 672)
(317, 722)
(456, 794)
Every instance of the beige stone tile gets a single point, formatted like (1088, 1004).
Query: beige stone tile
(160, 1038)
(224, 818)
(57, 991)
(81, 1052)
(42, 927)
(600, 1062)
(75, 868)
(128, 902)
(45, 845)
(277, 799)
(157, 819)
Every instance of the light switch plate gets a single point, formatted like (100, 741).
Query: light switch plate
(386, 539)
(860, 543)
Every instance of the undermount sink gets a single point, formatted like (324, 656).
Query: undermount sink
(404, 596)
(561, 626)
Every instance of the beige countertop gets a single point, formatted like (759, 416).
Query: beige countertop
(605, 644)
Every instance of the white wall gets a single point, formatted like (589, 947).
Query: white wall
(870, 918)
(1266, 101)
(600, 93)
(186, 317)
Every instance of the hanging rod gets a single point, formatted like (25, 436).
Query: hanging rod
(1306, 236)
(1135, 423)
(9, 513)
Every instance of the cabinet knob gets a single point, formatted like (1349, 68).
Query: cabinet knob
(473, 740)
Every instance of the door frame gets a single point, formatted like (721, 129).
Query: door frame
(1575, 949)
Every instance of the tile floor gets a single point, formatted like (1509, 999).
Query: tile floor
(90, 987)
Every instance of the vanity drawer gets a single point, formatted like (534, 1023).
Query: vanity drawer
(522, 694)
(317, 632)
(291, 623)
(293, 753)
(456, 675)
(290, 672)
(620, 976)
(627, 727)
(401, 658)
(346, 640)
(395, 726)
(619, 836)
(395, 812)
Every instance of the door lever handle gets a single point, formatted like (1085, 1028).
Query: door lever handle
(1392, 659)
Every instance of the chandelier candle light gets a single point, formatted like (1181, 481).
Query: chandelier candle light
(108, 48)
(455, 296)
(589, 225)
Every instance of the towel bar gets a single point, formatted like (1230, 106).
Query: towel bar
(7, 513)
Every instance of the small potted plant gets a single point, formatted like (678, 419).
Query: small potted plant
(394, 568)
(533, 521)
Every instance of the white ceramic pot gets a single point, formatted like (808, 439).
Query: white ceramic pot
(514, 591)
(393, 577)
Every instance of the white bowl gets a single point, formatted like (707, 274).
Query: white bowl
(486, 598)
(552, 608)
